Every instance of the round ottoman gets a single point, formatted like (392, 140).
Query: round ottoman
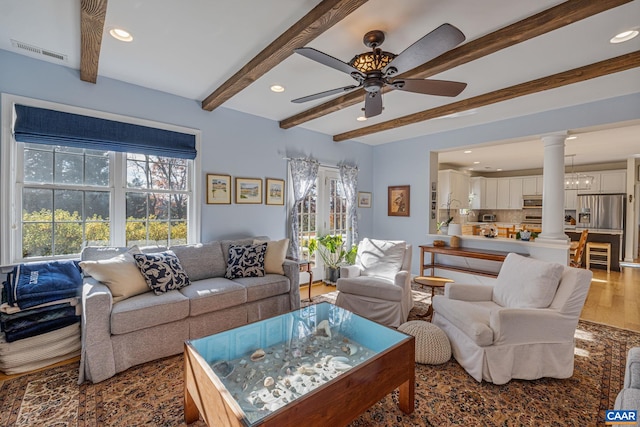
(432, 344)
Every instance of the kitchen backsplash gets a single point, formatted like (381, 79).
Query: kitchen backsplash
(502, 215)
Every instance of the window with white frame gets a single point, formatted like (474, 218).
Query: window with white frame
(57, 199)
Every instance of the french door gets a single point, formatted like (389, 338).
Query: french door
(323, 212)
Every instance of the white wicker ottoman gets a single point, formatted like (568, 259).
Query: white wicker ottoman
(432, 344)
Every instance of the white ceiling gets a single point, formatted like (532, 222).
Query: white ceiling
(189, 48)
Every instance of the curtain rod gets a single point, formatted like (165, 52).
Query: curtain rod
(320, 164)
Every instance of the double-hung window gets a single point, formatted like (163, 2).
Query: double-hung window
(58, 198)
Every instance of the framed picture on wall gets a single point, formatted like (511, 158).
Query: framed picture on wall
(248, 190)
(399, 202)
(218, 189)
(275, 191)
(364, 199)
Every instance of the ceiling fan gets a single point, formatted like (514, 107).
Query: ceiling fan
(373, 70)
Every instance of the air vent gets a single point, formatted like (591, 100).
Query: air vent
(38, 50)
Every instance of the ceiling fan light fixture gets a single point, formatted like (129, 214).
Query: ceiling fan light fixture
(624, 36)
(371, 61)
(121, 34)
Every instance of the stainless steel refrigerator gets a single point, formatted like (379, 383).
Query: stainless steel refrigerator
(601, 211)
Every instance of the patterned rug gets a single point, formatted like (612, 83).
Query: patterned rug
(446, 395)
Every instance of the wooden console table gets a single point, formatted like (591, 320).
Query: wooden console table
(487, 255)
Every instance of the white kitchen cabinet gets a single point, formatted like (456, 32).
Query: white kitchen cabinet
(502, 201)
(532, 185)
(571, 199)
(453, 184)
(485, 192)
(613, 182)
(515, 193)
(491, 199)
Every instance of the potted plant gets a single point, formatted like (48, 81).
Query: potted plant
(333, 254)
(443, 226)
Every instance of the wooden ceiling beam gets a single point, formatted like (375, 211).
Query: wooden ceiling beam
(92, 17)
(548, 20)
(321, 18)
(592, 71)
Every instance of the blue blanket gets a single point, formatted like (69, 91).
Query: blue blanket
(32, 284)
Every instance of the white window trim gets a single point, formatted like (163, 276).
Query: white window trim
(9, 167)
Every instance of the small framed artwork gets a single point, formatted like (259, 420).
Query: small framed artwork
(399, 202)
(364, 199)
(275, 191)
(433, 196)
(218, 189)
(248, 190)
(433, 206)
(434, 186)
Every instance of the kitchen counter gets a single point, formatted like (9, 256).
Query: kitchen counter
(594, 230)
(614, 237)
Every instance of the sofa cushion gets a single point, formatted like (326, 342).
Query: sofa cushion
(382, 258)
(147, 310)
(264, 287)
(246, 261)
(276, 253)
(471, 318)
(120, 274)
(201, 261)
(213, 294)
(162, 271)
(526, 282)
(374, 287)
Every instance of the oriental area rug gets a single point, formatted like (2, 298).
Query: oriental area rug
(152, 394)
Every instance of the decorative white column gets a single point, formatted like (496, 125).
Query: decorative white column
(553, 190)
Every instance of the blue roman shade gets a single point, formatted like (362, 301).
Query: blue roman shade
(43, 126)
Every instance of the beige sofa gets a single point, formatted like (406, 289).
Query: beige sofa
(145, 327)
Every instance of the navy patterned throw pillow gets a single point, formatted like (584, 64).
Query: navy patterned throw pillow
(246, 261)
(162, 271)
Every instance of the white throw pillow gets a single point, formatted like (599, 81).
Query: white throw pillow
(120, 274)
(381, 258)
(276, 253)
(526, 282)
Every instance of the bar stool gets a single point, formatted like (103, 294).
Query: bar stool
(599, 253)
(433, 282)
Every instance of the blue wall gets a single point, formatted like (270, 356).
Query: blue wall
(233, 143)
(239, 144)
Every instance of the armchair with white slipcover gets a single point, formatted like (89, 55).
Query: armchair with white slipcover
(522, 327)
(378, 285)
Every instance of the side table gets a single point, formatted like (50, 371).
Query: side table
(305, 267)
(433, 282)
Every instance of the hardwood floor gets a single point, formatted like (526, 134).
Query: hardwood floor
(614, 298)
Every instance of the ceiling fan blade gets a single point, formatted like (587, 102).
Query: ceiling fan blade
(434, 44)
(323, 94)
(372, 104)
(429, 86)
(327, 60)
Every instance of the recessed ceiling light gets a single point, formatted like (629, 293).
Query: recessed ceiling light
(467, 151)
(499, 169)
(624, 36)
(361, 118)
(120, 34)
(470, 169)
(476, 162)
(571, 137)
(277, 88)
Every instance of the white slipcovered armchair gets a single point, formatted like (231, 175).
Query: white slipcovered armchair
(378, 285)
(522, 327)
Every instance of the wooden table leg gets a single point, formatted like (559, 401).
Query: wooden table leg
(191, 413)
(407, 390)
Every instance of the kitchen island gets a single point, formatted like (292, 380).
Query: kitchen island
(483, 269)
(614, 237)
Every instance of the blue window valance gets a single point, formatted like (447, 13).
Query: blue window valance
(43, 126)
